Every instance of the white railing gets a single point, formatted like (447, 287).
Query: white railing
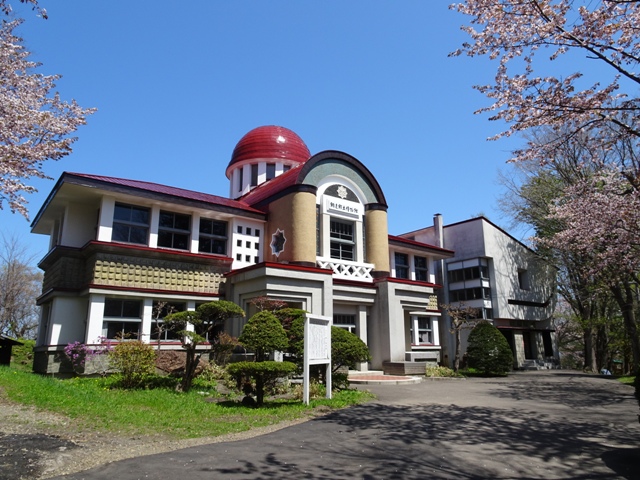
(346, 269)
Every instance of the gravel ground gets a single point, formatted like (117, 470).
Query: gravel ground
(36, 444)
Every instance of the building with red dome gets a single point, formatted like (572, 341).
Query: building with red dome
(308, 230)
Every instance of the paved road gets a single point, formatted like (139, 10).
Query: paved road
(539, 425)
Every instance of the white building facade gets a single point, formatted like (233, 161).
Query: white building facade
(310, 230)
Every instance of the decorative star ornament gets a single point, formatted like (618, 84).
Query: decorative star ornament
(277, 242)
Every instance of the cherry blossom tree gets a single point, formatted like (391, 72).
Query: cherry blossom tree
(601, 219)
(5, 7)
(35, 124)
(601, 102)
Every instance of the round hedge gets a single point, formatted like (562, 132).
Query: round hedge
(488, 350)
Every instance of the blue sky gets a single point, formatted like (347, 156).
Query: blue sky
(177, 84)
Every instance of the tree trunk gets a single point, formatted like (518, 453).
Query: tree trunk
(189, 369)
(590, 364)
(456, 357)
(259, 390)
(625, 298)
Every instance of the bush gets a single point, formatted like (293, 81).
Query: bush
(212, 376)
(22, 355)
(263, 374)
(222, 348)
(488, 350)
(347, 349)
(440, 372)
(134, 360)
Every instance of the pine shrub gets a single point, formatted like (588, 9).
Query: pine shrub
(488, 350)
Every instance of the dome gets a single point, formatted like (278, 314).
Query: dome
(271, 142)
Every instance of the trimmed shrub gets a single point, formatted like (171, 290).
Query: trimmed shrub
(292, 320)
(488, 350)
(347, 349)
(135, 361)
(264, 374)
(263, 334)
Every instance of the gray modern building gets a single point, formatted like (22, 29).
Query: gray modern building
(503, 280)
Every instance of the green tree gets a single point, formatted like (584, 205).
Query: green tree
(347, 349)
(488, 350)
(262, 334)
(195, 327)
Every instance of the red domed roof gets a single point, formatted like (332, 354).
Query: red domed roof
(270, 141)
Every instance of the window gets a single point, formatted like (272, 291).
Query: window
(425, 331)
(174, 230)
(213, 236)
(476, 293)
(469, 273)
(254, 175)
(456, 276)
(160, 311)
(342, 240)
(240, 179)
(122, 318)
(402, 265)
(422, 272)
(130, 224)
(422, 331)
(523, 280)
(271, 170)
(346, 322)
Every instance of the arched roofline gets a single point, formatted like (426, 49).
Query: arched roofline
(353, 162)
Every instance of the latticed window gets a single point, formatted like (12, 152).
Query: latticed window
(130, 224)
(174, 230)
(122, 318)
(342, 240)
(213, 236)
(422, 272)
(402, 265)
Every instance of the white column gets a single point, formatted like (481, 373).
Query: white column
(435, 326)
(153, 227)
(359, 242)
(195, 232)
(95, 318)
(105, 222)
(147, 316)
(361, 328)
(325, 240)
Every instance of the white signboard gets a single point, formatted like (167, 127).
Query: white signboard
(317, 349)
(343, 208)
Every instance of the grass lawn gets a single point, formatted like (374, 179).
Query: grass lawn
(627, 379)
(94, 405)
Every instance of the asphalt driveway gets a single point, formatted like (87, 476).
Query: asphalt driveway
(542, 425)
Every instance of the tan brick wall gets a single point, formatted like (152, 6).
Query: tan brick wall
(109, 269)
(295, 214)
(377, 237)
(123, 271)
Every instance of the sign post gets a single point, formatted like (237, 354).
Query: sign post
(317, 349)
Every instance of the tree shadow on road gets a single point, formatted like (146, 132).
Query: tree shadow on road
(439, 441)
